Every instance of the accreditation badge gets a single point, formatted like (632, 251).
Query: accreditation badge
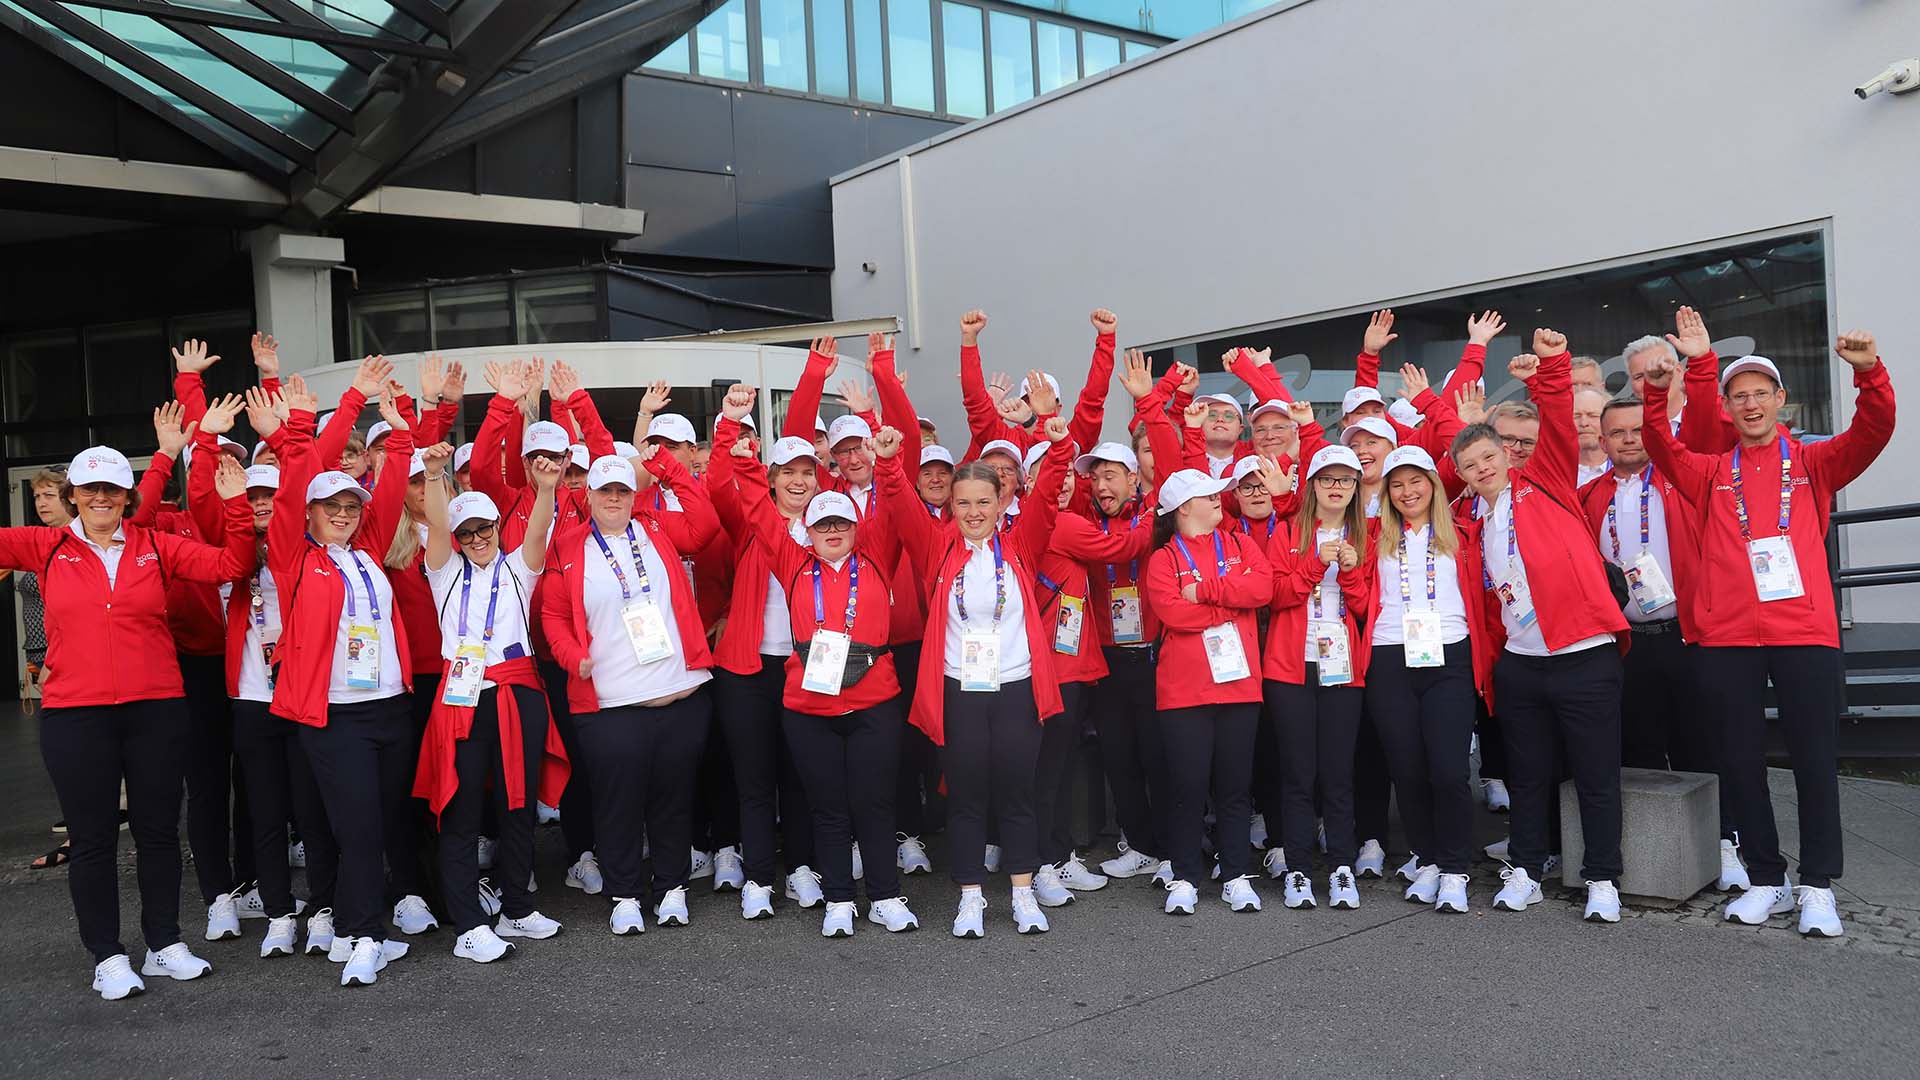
(1420, 630)
(647, 631)
(826, 662)
(1066, 629)
(1226, 656)
(980, 661)
(461, 686)
(1331, 653)
(1128, 628)
(1776, 574)
(363, 657)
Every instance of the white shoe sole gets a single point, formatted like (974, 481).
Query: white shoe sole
(509, 932)
(1369, 871)
(917, 868)
(630, 931)
(1503, 905)
(576, 883)
(154, 971)
(1821, 932)
(837, 932)
(275, 950)
(1349, 905)
(1307, 904)
(1123, 874)
(1056, 903)
(222, 934)
(1244, 907)
(1032, 928)
(1601, 917)
(1445, 907)
(478, 959)
(670, 920)
(131, 991)
(757, 914)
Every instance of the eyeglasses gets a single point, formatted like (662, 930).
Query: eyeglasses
(1338, 483)
(1247, 490)
(480, 532)
(1752, 397)
(1514, 442)
(347, 509)
(831, 525)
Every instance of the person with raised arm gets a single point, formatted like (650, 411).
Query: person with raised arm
(1436, 435)
(1765, 612)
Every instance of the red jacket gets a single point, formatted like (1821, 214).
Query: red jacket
(1443, 423)
(1164, 442)
(1473, 595)
(563, 610)
(312, 593)
(193, 608)
(1683, 541)
(107, 645)
(937, 546)
(1079, 553)
(738, 649)
(1728, 609)
(1294, 576)
(1183, 677)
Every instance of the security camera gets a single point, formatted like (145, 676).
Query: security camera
(1900, 77)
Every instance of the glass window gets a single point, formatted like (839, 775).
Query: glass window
(387, 323)
(1137, 49)
(557, 309)
(672, 58)
(469, 315)
(1059, 56)
(783, 43)
(966, 60)
(1012, 59)
(868, 58)
(910, 53)
(129, 370)
(830, 47)
(1119, 12)
(45, 384)
(721, 42)
(1101, 52)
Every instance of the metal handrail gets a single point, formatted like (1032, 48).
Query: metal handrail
(1862, 577)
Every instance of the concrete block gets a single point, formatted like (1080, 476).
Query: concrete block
(1669, 835)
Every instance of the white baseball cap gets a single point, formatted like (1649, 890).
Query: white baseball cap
(1034, 454)
(471, 506)
(830, 504)
(331, 483)
(847, 427)
(1118, 453)
(926, 422)
(579, 456)
(611, 470)
(1001, 446)
(1480, 382)
(260, 447)
(544, 436)
(1189, 484)
(1273, 406)
(672, 427)
(625, 449)
(1333, 455)
(100, 465)
(263, 476)
(1372, 425)
(1750, 363)
(1403, 411)
(1408, 455)
(746, 421)
(819, 423)
(320, 424)
(1224, 399)
(1359, 396)
(791, 448)
(418, 465)
(931, 454)
(461, 456)
(1051, 381)
(380, 430)
(227, 446)
(1245, 467)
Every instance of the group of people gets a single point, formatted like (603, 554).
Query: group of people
(760, 670)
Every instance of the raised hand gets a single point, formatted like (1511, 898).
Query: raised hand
(970, 326)
(371, 378)
(390, 410)
(1856, 347)
(1015, 410)
(829, 348)
(192, 358)
(437, 458)
(1228, 358)
(856, 396)
(1484, 327)
(296, 394)
(433, 379)
(999, 385)
(1104, 321)
(229, 478)
(1471, 403)
(221, 413)
(1301, 412)
(1259, 357)
(455, 388)
(742, 449)
(1056, 428)
(536, 378)
(509, 380)
(1413, 381)
(1660, 372)
(563, 381)
(1135, 375)
(266, 355)
(1524, 367)
(658, 396)
(1189, 378)
(1274, 478)
(545, 472)
(262, 412)
(1196, 413)
(1040, 396)
(738, 404)
(886, 442)
(167, 431)
(878, 343)
(1548, 343)
(1692, 339)
(1379, 332)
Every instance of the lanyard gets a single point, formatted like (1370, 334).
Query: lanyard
(1613, 529)
(1786, 490)
(619, 574)
(373, 598)
(258, 602)
(1342, 593)
(1219, 555)
(1272, 520)
(1406, 593)
(493, 601)
(999, 585)
(1133, 567)
(853, 595)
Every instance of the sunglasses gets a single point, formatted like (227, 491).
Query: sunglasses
(478, 532)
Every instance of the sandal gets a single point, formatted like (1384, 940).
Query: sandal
(59, 856)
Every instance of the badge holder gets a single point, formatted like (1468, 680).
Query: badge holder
(1647, 583)
(1330, 653)
(363, 657)
(1420, 630)
(647, 631)
(1226, 655)
(1518, 600)
(1066, 632)
(979, 661)
(1128, 628)
(826, 662)
(1776, 573)
(465, 672)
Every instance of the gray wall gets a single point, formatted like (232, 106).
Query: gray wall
(1336, 155)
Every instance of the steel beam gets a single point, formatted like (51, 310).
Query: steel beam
(323, 34)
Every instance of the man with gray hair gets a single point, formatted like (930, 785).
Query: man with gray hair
(1588, 404)
(1694, 402)
(1587, 375)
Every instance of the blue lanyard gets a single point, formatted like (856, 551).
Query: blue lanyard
(1272, 520)
(1219, 555)
(1613, 529)
(493, 601)
(1333, 568)
(1786, 491)
(1133, 566)
(999, 585)
(853, 595)
(258, 602)
(1406, 593)
(620, 575)
(373, 598)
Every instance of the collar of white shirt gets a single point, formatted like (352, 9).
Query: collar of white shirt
(119, 532)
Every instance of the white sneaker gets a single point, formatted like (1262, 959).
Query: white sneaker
(1550, 867)
(911, 855)
(1048, 888)
(672, 908)
(1453, 894)
(544, 814)
(1181, 897)
(1341, 892)
(1163, 874)
(114, 978)
(1214, 874)
(535, 926)
(489, 898)
(249, 905)
(839, 919)
(1129, 863)
(728, 872)
(1818, 915)
(990, 859)
(1603, 902)
(1299, 891)
(1371, 860)
(223, 921)
(1761, 902)
(1520, 891)
(756, 901)
(702, 865)
(1498, 851)
(297, 855)
(1426, 884)
(1409, 871)
(1496, 795)
(320, 931)
(1238, 894)
(1275, 862)
(803, 887)
(175, 961)
(280, 937)
(584, 875)
(628, 917)
(1027, 916)
(1075, 875)
(1257, 830)
(363, 964)
(413, 916)
(859, 867)
(487, 846)
(481, 945)
(1733, 872)
(967, 921)
(341, 950)
(894, 914)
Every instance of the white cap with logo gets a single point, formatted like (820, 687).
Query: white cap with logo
(611, 470)
(930, 455)
(263, 476)
(331, 483)
(462, 454)
(625, 449)
(1034, 454)
(579, 456)
(847, 427)
(1001, 446)
(380, 430)
(1408, 455)
(1189, 484)
(1358, 396)
(1750, 363)
(1403, 411)
(471, 506)
(100, 465)
(1118, 453)
(1224, 399)
(672, 427)
(1372, 425)
(830, 504)
(544, 436)
(1273, 406)
(792, 448)
(419, 464)
(1245, 467)
(1329, 456)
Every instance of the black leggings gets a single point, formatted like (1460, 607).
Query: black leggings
(477, 760)
(363, 762)
(280, 784)
(576, 803)
(918, 806)
(643, 761)
(213, 818)
(1209, 749)
(1053, 774)
(1425, 720)
(849, 764)
(1131, 749)
(88, 750)
(773, 804)
(1317, 726)
(991, 754)
(1563, 712)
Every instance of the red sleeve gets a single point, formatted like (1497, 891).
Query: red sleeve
(292, 445)
(1312, 439)
(153, 489)
(1366, 370)
(983, 418)
(1090, 411)
(913, 528)
(721, 485)
(1556, 461)
(1161, 438)
(586, 416)
(556, 618)
(1691, 471)
(1443, 423)
(1704, 425)
(1294, 573)
(502, 417)
(695, 526)
(513, 463)
(433, 427)
(203, 496)
(331, 444)
(233, 559)
(386, 513)
(1193, 447)
(895, 407)
(1033, 528)
(1472, 366)
(26, 547)
(1845, 456)
(1260, 378)
(1249, 585)
(1160, 587)
(765, 525)
(804, 403)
